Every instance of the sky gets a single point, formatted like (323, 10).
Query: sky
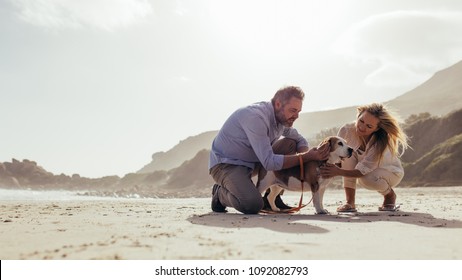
(95, 87)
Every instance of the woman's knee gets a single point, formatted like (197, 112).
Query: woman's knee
(377, 183)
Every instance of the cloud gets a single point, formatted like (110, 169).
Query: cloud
(408, 46)
(394, 75)
(63, 14)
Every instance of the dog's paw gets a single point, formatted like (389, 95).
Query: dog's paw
(322, 212)
(276, 209)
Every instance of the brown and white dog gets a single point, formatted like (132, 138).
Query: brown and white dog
(289, 179)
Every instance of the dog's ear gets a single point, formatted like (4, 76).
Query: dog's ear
(332, 142)
(326, 140)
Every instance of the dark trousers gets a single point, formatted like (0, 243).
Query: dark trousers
(237, 189)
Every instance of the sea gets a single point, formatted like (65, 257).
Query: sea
(51, 195)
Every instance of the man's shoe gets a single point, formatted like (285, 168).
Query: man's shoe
(280, 204)
(216, 204)
(278, 201)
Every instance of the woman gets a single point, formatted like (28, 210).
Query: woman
(378, 141)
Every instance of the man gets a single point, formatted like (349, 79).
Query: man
(250, 138)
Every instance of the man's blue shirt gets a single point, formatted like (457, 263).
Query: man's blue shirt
(247, 135)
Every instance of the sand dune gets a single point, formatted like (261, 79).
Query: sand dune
(429, 226)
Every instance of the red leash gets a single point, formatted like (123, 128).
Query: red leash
(300, 203)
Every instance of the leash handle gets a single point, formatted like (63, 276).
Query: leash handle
(302, 179)
(302, 168)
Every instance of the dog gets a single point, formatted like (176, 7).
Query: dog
(290, 179)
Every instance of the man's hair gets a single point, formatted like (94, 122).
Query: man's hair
(286, 93)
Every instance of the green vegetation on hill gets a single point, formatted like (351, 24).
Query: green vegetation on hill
(427, 131)
(442, 165)
(436, 154)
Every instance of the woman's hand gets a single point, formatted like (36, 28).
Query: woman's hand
(329, 170)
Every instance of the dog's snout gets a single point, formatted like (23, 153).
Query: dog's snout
(350, 152)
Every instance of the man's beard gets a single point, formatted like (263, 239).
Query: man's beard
(280, 118)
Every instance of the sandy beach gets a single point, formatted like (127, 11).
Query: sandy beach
(428, 226)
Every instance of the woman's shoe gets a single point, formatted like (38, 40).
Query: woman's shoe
(346, 208)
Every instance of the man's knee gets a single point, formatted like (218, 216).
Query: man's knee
(253, 206)
(285, 146)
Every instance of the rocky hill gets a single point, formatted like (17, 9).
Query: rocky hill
(190, 179)
(441, 166)
(28, 174)
(436, 154)
(183, 151)
(426, 131)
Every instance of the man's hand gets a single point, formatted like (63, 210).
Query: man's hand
(319, 154)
